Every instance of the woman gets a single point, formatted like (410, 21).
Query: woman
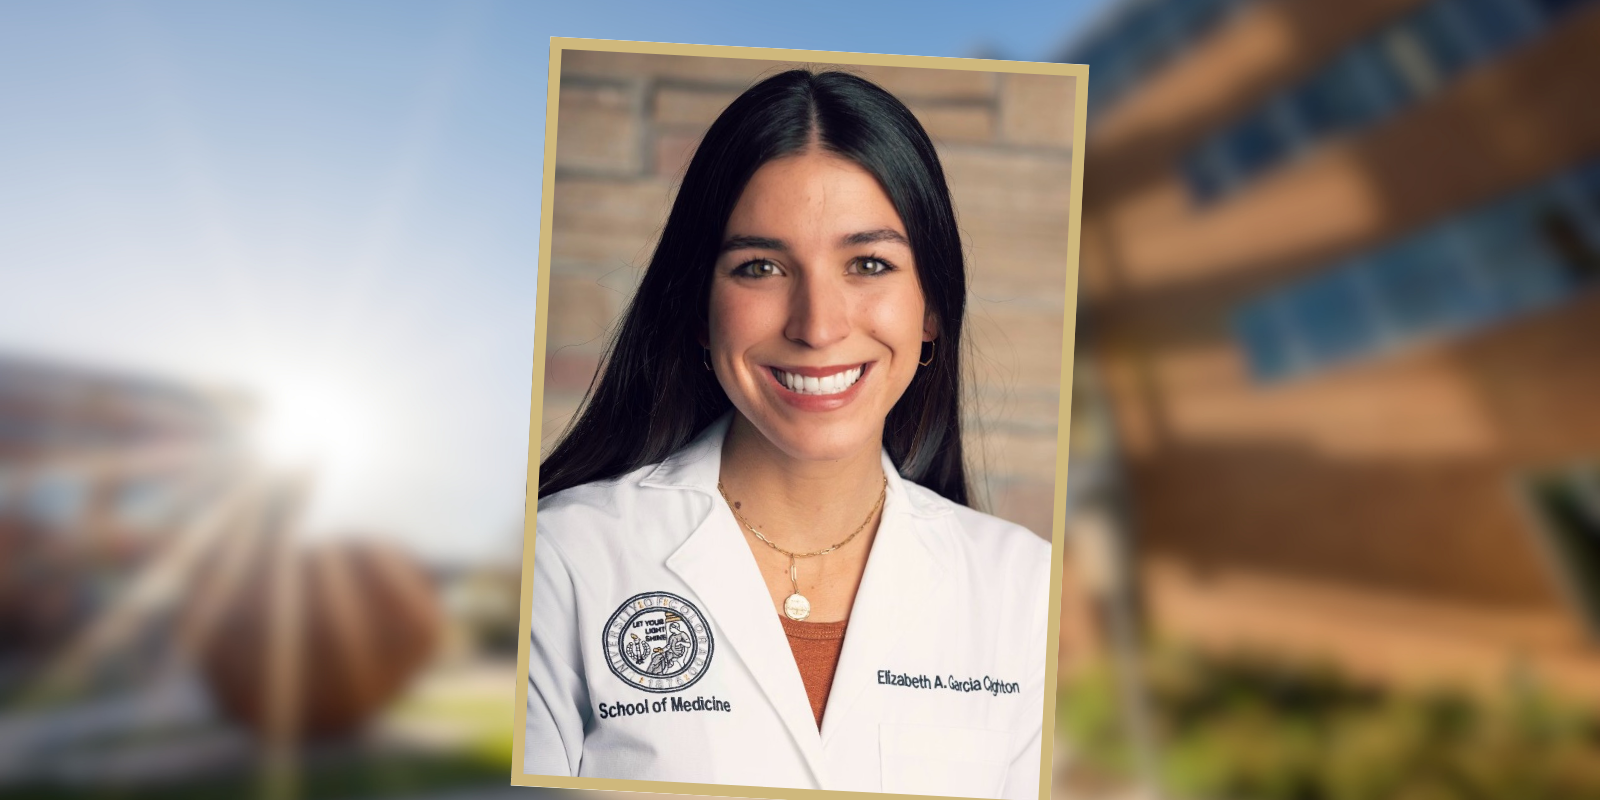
(754, 561)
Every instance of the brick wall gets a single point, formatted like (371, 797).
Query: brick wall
(627, 126)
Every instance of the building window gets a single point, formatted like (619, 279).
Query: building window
(1406, 60)
(1332, 318)
(1267, 342)
(1207, 172)
(56, 500)
(1441, 39)
(1253, 146)
(1140, 40)
(1523, 252)
(1424, 286)
(1552, 8)
(1494, 25)
(1522, 268)
(145, 503)
(1336, 99)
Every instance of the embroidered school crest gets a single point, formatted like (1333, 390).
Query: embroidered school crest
(658, 642)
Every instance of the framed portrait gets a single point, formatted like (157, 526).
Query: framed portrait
(798, 439)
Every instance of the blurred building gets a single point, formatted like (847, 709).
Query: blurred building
(1339, 274)
(97, 471)
(162, 627)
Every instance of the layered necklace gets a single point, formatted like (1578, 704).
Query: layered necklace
(796, 606)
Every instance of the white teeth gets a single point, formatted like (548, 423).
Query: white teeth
(828, 384)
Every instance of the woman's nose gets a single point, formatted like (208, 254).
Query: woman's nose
(818, 315)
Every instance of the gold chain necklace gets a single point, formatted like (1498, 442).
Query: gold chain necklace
(796, 606)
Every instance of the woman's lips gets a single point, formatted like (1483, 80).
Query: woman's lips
(819, 388)
(817, 380)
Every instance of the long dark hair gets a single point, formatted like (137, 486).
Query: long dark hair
(653, 393)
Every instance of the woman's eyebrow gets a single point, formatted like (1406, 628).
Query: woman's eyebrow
(753, 243)
(873, 237)
(849, 240)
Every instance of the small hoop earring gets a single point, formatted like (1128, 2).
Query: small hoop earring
(932, 345)
(705, 358)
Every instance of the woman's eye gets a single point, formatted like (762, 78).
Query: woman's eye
(872, 266)
(757, 269)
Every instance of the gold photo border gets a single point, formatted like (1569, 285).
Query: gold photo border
(558, 45)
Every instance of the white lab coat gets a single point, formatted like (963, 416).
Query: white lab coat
(950, 596)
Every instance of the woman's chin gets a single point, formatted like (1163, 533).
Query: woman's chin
(809, 439)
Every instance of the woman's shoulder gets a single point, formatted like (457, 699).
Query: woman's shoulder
(598, 495)
(980, 535)
(594, 507)
(626, 509)
(994, 561)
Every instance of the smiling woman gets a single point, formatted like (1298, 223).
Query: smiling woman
(762, 509)
(824, 291)
(859, 156)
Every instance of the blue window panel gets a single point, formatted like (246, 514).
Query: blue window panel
(1254, 145)
(1283, 114)
(1207, 172)
(1523, 252)
(1106, 70)
(1423, 287)
(1330, 318)
(1519, 265)
(1267, 348)
(1193, 20)
(1133, 42)
(1096, 52)
(1407, 55)
(1493, 24)
(1380, 79)
(1334, 100)
(56, 500)
(1555, 8)
(1114, 79)
(1446, 43)
(1588, 180)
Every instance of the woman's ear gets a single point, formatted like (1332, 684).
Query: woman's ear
(930, 326)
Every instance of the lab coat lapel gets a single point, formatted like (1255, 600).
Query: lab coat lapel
(901, 575)
(716, 563)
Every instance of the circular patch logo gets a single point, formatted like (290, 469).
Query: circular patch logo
(658, 642)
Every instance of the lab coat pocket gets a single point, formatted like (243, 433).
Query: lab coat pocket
(953, 762)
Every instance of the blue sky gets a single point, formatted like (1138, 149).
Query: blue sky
(335, 206)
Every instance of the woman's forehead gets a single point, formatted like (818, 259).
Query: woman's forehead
(814, 197)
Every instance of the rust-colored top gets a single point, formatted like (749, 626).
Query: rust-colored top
(816, 647)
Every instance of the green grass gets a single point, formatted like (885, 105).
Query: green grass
(480, 756)
(1254, 728)
(368, 775)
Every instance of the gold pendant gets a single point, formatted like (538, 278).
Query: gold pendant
(797, 607)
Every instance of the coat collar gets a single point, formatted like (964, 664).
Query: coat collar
(716, 563)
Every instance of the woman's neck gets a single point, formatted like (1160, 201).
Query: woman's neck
(799, 505)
